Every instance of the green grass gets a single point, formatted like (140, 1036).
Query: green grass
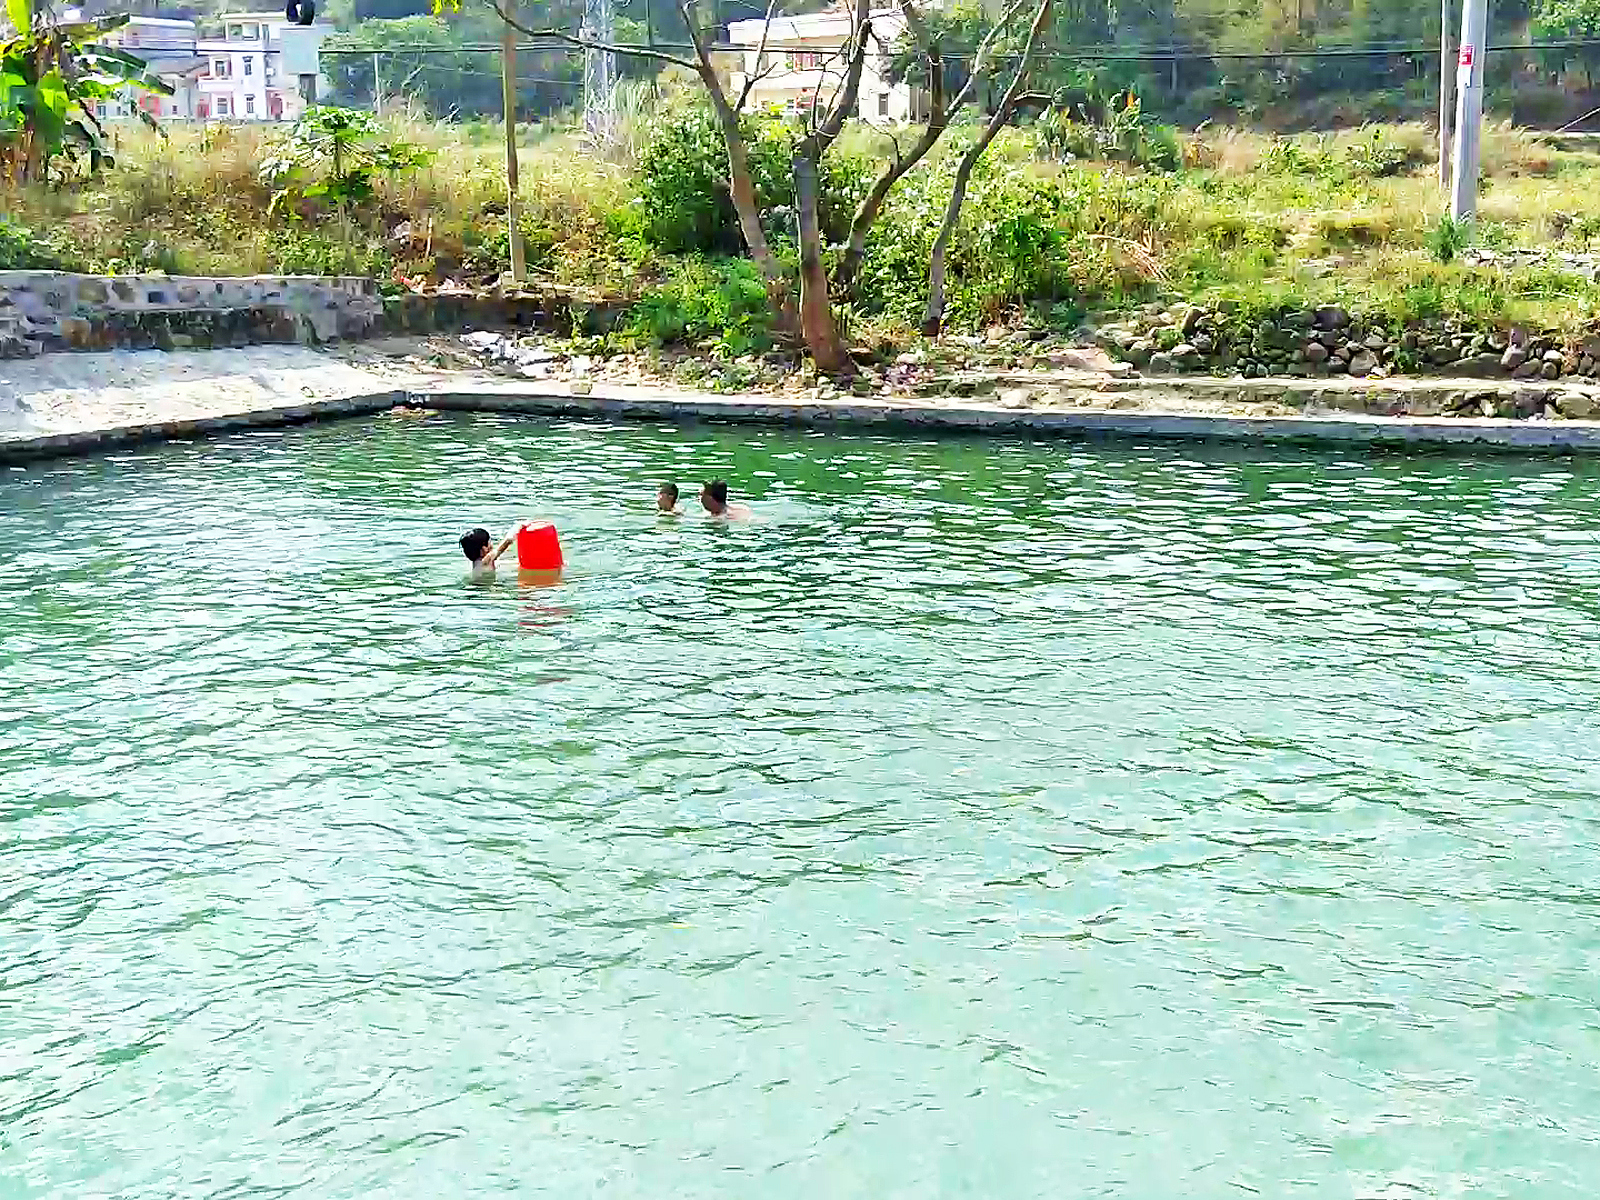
(1352, 218)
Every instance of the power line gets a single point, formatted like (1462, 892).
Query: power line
(1087, 55)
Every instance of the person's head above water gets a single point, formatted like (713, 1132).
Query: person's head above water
(475, 544)
(667, 497)
(714, 496)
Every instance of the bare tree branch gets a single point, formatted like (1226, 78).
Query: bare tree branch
(933, 315)
(589, 43)
(845, 102)
(760, 73)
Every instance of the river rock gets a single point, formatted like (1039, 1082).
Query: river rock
(1480, 366)
(1139, 353)
(1550, 370)
(1580, 406)
(1331, 316)
(1316, 352)
(1513, 358)
(1528, 370)
(1363, 363)
(1160, 364)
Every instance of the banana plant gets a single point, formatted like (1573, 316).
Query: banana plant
(52, 74)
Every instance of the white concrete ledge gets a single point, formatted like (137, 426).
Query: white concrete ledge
(1486, 434)
(1472, 436)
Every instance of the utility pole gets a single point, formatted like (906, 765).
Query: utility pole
(508, 104)
(1446, 63)
(1469, 108)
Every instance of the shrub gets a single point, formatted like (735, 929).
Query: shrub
(684, 189)
(721, 301)
(683, 180)
(1448, 238)
(23, 250)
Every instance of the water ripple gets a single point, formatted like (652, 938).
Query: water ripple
(989, 819)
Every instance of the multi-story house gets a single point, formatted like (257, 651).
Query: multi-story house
(243, 77)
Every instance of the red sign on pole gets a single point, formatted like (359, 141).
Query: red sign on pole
(1468, 54)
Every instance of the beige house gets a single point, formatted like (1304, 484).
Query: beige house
(802, 64)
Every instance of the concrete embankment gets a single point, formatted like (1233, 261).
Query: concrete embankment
(66, 404)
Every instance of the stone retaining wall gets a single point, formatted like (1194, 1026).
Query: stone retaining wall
(50, 310)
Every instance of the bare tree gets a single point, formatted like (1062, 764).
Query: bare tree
(941, 111)
(933, 315)
(824, 120)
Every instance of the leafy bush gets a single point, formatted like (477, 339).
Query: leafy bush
(722, 301)
(336, 155)
(1448, 238)
(684, 190)
(1051, 244)
(23, 250)
(1110, 129)
(1378, 156)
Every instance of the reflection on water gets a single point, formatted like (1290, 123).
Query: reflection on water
(991, 819)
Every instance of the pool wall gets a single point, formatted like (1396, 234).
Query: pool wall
(1488, 435)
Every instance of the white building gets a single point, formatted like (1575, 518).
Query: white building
(243, 76)
(239, 76)
(802, 64)
(168, 49)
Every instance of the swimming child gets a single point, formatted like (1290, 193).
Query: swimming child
(714, 499)
(667, 501)
(476, 546)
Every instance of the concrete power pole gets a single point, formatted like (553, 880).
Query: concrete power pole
(508, 102)
(1469, 108)
(1446, 74)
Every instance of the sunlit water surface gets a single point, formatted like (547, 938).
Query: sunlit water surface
(991, 819)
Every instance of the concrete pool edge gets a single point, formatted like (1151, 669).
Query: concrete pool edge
(113, 437)
(1488, 435)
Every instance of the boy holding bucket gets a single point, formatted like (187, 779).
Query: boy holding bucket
(476, 546)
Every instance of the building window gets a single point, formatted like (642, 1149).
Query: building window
(249, 64)
(804, 60)
(221, 68)
(100, 109)
(224, 106)
(883, 104)
(250, 105)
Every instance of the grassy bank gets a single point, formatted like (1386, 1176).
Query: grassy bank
(1054, 235)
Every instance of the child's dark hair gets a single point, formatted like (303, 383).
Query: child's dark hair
(670, 490)
(718, 491)
(475, 544)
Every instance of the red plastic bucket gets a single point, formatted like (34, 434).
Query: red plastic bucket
(538, 548)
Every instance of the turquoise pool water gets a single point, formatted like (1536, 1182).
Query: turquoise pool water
(992, 819)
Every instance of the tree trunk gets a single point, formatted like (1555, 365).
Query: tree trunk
(817, 326)
(866, 214)
(742, 187)
(933, 315)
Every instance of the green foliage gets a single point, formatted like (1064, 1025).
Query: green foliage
(720, 302)
(335, 155)
(51, 76)
(1448, 238)
(1026, 243)
(1377, 156)
(685, 193)
(683, 180)
(23, 250)
(1110, 129)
